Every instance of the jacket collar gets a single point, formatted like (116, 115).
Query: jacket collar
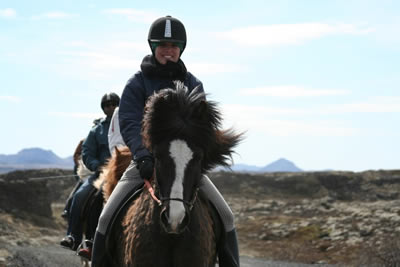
(175, 71)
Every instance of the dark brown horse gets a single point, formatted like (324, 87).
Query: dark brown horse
(179, 229)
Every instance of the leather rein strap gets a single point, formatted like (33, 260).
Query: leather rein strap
(151, 191)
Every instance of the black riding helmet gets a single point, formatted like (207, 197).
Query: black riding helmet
(110, 98)
(167, 29)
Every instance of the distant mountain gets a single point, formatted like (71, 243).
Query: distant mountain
(37, 158)
(280, 165)
(33, 158)
(245, 168)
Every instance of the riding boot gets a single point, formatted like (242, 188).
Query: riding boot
(228, 253)
(68, 203)
(98, 250)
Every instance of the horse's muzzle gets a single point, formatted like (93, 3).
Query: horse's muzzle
(171, 225)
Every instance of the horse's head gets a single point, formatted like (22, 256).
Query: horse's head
(177, 175)
(181, 129)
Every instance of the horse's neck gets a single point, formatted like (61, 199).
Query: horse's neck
(142, 209)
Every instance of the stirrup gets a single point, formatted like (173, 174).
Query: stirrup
(85, 249)
(85, 253)
(64, 215)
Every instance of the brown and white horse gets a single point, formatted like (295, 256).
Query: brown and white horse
(178, 227)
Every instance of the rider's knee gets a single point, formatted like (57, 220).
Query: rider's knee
(131, 172)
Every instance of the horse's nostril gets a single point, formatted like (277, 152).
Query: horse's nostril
(186, 220)
(164, 217)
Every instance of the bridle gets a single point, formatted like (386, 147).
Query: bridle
(162, 199)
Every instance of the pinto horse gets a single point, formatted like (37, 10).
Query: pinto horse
(176, 226)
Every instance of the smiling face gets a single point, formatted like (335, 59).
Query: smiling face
(166, 51)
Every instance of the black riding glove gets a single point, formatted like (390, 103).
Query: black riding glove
(145, 166)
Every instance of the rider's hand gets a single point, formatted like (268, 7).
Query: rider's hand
(146, 167)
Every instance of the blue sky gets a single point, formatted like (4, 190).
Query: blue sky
(315, 82)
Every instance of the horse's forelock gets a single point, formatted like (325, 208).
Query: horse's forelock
(178, 114)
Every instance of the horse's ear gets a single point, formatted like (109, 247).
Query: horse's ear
(202, 110)
(117, 152)
(196, 89)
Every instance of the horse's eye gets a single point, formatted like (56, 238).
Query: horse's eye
(198, 155)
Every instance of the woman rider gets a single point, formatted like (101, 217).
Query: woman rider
(167, 40)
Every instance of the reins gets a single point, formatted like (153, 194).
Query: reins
(188, 203)
(151, 191)
(150, 188)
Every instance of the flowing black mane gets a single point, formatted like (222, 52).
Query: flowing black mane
(180, 114)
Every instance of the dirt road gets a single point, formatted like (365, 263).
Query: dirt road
(55, 256)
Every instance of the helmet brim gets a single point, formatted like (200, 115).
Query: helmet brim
(166, 40)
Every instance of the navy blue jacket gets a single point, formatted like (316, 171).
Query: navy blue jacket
(95, 149)
(133, 100)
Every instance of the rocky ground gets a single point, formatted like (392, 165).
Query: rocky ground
(349, 219)
(346, 219)
(323, 231)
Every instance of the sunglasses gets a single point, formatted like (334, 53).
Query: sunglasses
(154, 45)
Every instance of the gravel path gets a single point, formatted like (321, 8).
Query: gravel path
(252, 262)
(54, 256)
(49, 256)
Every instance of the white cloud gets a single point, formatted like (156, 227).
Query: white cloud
(373, 105)
(131, 47)
(76, 115)
(290, 91)
(307, 128)
(215, 68)
(120, 48)
(243, 111)
(55, 15)
(264, 119)
(12, 99)
(8, 13)
(143, 16)
(78, 44)
(257, 118)
(102, 61)
(389, 34)
(288, 34)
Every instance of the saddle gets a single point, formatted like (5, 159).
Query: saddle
(119, 212)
